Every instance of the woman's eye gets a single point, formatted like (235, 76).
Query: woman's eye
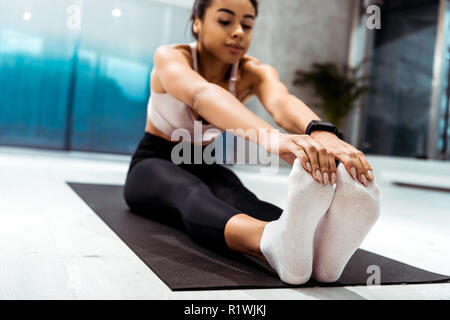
(225, 23)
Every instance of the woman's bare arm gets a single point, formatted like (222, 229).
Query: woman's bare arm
(222, 109)
(293, 115)
(289, 112)
(212, 102)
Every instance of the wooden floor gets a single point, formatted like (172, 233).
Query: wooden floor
(53, 246)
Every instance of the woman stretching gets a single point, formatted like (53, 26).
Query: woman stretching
(329, 209)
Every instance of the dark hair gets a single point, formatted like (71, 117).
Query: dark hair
(200, 6)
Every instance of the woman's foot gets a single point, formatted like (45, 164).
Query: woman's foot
(354, 210)
(287, 243)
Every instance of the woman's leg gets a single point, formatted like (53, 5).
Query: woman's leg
(283, 237)
(243, 234)
(242, 231)
(285, 243)
(156, 184)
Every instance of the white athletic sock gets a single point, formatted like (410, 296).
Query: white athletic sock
(287, 243)
(352, 213)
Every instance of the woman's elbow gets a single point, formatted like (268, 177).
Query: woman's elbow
(200, 94)
(204, 94)
(277, 118)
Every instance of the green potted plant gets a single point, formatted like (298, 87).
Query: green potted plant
(337, 88)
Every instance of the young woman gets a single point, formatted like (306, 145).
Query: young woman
(209, 80)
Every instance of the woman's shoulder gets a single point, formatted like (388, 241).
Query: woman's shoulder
(184, 49)
(254, 66)
(254, 70)
(250, 64)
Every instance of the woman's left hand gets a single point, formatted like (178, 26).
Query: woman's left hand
(353, 159)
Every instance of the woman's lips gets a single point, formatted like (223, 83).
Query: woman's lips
(234, 49)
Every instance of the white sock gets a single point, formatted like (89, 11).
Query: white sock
(287, 243)
(352, 213)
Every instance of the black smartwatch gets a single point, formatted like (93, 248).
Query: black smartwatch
(325, 126)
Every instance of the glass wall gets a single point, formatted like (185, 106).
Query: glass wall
(444, 106)
(397, 116)
(75, 74)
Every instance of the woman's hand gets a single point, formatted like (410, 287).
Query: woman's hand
(354, 160)
(312, 155)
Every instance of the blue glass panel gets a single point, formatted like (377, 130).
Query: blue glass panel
(35, 68)
(81, 82)
(113, 72)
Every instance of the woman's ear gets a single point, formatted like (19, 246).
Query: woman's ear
(197, 26)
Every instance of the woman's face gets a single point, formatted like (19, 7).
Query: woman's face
(226, 22)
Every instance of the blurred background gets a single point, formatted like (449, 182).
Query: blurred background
(74, 87)
(74, 74)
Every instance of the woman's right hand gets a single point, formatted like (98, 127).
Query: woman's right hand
(312, 155)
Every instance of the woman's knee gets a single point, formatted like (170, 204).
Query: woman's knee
(140, 190)
(159, 183)
(193, 195)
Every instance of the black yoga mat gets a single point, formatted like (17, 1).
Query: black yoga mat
(184, 265)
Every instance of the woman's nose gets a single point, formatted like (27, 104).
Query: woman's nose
(238, 31)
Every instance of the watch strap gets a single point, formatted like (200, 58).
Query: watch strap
(325, 126)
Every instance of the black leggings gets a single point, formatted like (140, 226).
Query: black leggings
(202, 197)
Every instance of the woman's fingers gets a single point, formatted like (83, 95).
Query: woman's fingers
(311, 152)
(318, 158)
(324, 171)
(303, 157)
(367, 168)
(350, 166)
(315, 158)
(332, 166)
(364, 175)
(358, 167)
